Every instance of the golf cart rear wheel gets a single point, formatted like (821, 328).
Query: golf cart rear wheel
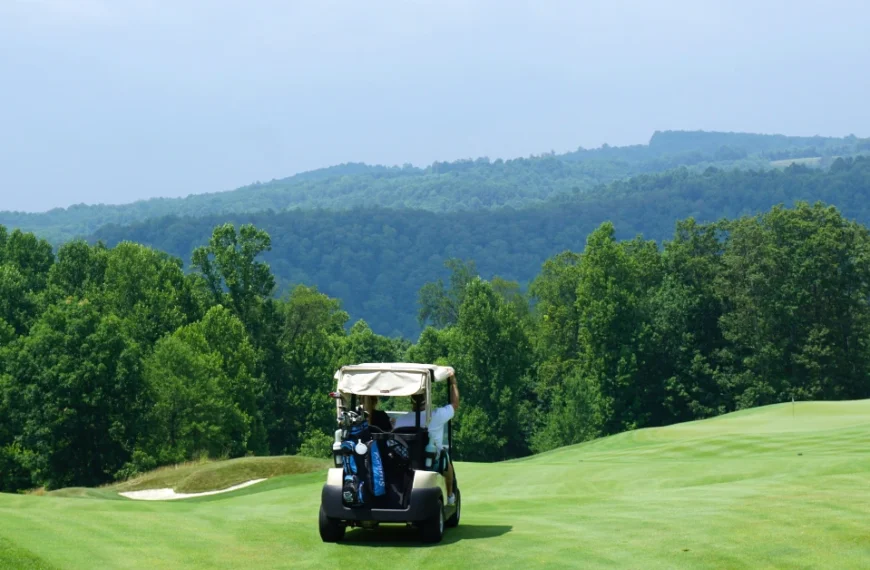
(432, 530)
(454, 520)
(331, 530)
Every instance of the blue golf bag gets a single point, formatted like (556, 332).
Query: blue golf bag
(363, 472)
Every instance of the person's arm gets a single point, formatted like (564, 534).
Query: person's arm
(454, 391)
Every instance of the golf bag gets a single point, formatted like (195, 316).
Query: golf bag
(363, 467)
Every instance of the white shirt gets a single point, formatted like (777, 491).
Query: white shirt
(437, 422)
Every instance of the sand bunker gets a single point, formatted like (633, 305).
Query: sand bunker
(170, 495)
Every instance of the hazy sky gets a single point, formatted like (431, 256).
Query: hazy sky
(117, 100)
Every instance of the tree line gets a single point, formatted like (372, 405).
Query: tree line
(114, 360)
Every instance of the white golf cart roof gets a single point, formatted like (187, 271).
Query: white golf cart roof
(388, 378)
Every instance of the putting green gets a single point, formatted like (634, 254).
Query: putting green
(763, 488)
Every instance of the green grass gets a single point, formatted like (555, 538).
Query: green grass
(760, 488)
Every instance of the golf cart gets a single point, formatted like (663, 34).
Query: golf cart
(386, 476)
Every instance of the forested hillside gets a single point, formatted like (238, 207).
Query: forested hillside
(452, 186)
(114, 360)
(375, 260)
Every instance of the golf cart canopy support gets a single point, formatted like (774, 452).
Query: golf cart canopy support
(388, 379)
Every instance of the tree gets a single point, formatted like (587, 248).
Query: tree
(686, 310)
(362, 345)
(572, 413)
(796, 284)
(79, 268)
(31, 256)
(512, 295)
(17, 304)
(192, 415)
(310, 336)
(148, 288)
(4, 238)
(206, 397)
(440, 305)
(492, 356)
(556, 337)
(74, 396)
(225, 335)
(614, 331)
(231, 273)
(433, 346)
(567, 407)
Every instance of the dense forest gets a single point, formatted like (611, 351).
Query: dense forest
(214, 331)
(375, 260)
(113, 360)
(462, 185)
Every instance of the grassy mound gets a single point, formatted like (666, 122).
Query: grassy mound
(210, 476)
(199, 476)
(781, 486)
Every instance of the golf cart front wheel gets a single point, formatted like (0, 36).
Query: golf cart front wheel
(331, 530)
(432, 530)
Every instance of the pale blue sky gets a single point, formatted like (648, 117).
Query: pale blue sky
(117, 100)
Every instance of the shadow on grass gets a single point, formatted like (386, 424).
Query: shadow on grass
(398, 535)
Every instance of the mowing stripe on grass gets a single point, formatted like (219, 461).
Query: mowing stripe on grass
(12, 556)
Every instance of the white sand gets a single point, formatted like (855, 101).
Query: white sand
(170, 495)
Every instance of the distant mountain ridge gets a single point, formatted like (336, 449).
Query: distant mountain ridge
(376, 259)
(478, 184)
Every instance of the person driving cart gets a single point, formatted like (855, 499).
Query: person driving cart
(377, 418)
(437, 423)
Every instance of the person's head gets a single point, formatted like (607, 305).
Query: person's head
(418, 402)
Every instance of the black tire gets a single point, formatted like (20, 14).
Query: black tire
(331, 530)
(453, 521)
(432, 530)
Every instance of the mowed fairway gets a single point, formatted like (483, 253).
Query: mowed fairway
(754, 489)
